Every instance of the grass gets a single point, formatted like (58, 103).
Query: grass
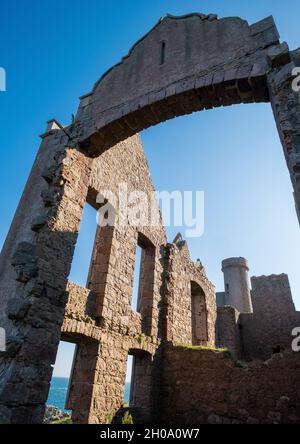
(141, 339)
(203, 348)
(109, 418)
(63, 421)
(127, 418)
(225, 351)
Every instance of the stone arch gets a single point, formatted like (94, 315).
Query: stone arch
(208, 63)
(199, 315)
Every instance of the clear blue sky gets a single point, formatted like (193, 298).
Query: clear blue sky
(54, 51)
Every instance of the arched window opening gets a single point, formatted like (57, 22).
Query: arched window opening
(84, 246)
(199, 315)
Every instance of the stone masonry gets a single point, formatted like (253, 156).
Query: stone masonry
(211, 388)
(184, 64)
(264, 330)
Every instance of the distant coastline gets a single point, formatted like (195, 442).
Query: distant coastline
(59, 388)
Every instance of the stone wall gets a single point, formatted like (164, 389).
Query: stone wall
(286, 108)
(207, 387)
(207, 62)
(180, 273)
(98, 378)
(270, 326)
(190, 63)
(35, 263)
(100, 318)
(268, 329)
(111, 274)
(228, 330)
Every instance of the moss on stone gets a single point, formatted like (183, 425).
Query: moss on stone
(225, 351)
(127, 418)
(67, 420)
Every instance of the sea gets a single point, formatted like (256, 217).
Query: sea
(58, 393)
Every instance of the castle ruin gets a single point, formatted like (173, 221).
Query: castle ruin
(184, 64)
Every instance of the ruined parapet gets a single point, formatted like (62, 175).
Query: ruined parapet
(254, 323)
(237, 287)
(269, 328)
(265, 330)
(272, 294)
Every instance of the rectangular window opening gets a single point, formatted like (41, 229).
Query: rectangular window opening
(59, 388)
(163, 53)
(199, 315)
(128, 381)
(135, 300)
(138, 386)
(84, 247)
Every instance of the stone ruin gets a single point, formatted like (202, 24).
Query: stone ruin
(184, 64)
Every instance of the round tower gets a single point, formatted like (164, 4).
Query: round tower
(237, 284)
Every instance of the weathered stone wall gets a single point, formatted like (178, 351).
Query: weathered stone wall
(98, 379)
(268, 329)
(100, 318)
(286, 108)
(114, 282)
(207, 63)
(34, 270)
(181, 271)
(274, 317)
(112, 322)
(206, 387)
(228, 331)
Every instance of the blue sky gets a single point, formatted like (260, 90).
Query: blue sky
(54, 51)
